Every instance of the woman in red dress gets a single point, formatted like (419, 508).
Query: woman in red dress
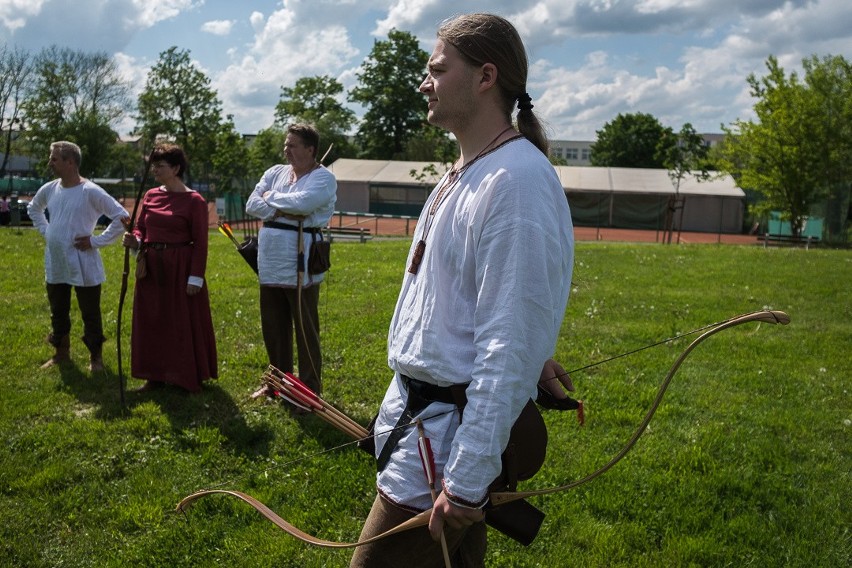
(172, 341)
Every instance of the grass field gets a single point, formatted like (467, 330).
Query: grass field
(747, 462)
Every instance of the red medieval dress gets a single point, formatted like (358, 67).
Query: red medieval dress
(172, 339)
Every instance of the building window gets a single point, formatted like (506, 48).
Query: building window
(570, 153)
(587, 154)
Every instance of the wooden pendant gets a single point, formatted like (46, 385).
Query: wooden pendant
(417, 258)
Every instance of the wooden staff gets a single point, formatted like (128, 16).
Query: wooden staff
(128, 227)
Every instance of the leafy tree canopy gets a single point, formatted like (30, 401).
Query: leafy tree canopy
(431, 144)
(230, 159)
(15, 72)
(396, 112)
(798, 150)
(178, 104)
(632, 141)
(315, 100)
(75, 96)
(125, 161)
(686, 155)
(265, 151)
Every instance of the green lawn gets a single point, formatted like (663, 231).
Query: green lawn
(747, 462)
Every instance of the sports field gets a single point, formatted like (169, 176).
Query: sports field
(746, 463)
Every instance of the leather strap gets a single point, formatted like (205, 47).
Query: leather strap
(288, 227)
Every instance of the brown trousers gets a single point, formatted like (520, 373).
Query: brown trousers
(415, 548)
(279, 318)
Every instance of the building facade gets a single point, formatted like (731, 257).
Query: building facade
(573, 152)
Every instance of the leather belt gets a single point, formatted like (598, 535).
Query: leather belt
(288, 227)
(420, 395)
(427, 392)
(164, 246)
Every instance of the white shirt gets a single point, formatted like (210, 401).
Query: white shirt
(312, 195)
(485, 308)
(74, 212)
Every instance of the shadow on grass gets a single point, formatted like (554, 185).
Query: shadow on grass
(213, 406)
(312, 426)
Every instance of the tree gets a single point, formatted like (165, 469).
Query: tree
(686, 157)
(266, 151)
(396, 112)
(632, 141)
(125, 162)
(75, 96)
(829, 82)
(15, 72)
(178, 104)
(798, 150)
(314, 100)
(431, 144)
(230, 160)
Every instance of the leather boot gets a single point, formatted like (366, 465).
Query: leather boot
(96, 362)
(62, 353)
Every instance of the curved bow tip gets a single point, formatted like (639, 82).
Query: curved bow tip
(775, 316)
(766, 316)
(187, 501)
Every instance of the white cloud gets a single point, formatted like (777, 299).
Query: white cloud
(150, 12)
(257, 21)
(218, 27)
(14, 13)
(577, 103)
(135, 72)
(88, 25)
(284, 50)
(681, 60)
(423, 17)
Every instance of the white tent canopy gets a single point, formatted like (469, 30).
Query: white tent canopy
(615, 197)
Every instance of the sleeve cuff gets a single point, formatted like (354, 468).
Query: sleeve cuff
(464, 503)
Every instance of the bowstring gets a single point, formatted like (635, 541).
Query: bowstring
(314, 455)
(643, 348)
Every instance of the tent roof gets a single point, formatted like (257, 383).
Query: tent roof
(719, 185)
(584, 179)
(345, 169)
(383, 171)
(573, 178)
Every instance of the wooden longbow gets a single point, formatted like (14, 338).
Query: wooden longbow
(501, 498)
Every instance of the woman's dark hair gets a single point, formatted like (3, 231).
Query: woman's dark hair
(172, 154)
(486, 38)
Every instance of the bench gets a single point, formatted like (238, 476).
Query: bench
(770, 239)
(360, 234)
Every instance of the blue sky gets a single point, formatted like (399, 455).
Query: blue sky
(680, 60)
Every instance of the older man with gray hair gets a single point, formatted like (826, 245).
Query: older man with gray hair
(71, 256)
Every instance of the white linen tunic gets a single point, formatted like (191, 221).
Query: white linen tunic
(74, 212)
(485, 308)
(313, 195)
